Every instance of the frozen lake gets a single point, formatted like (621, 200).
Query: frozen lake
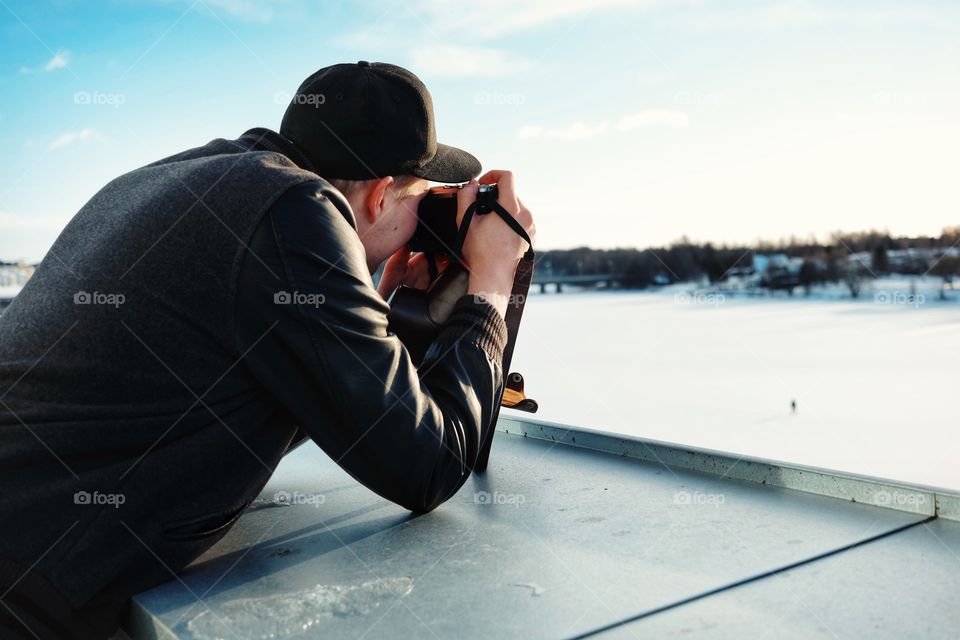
(875, 380)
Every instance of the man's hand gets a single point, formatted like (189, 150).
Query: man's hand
(402, 269)
(492, 249)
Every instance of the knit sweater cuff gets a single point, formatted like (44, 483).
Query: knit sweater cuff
(476, 321)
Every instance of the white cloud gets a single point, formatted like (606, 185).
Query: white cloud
(653, 118)
(452, 60)
(777, 15)
(494, 18)
(70, 137)
(802, 14)
(245, 10)
(248, 10)
(457, 20)
(589, 131)
(59, 61)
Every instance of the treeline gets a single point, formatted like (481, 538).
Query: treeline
(843, 256)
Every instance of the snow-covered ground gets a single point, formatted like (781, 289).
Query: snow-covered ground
(876, 380)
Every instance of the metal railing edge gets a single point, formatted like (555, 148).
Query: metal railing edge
(880, 492)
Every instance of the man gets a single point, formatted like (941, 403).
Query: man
(199, 311)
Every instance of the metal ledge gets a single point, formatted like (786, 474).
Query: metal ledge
(880, 492)
(570, 533)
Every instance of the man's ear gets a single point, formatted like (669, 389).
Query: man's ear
(376, 197)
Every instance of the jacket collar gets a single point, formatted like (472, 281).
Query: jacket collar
(263, 139)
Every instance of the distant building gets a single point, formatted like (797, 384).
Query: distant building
(773, 271)
(13, 276)
(912, 261)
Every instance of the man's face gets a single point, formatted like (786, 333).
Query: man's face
(386, 223)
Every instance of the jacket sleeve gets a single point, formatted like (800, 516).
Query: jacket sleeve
(313, 331)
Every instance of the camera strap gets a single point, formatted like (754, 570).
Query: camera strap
(513, 395)
(503, 213)
(513, 382)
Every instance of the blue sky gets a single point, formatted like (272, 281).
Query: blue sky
(628, 123)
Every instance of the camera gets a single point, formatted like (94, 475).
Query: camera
(436, 231)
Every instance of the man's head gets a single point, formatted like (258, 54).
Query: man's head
(369, 129)
(386, 212)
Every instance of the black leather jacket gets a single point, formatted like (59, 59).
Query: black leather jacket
(412, 436)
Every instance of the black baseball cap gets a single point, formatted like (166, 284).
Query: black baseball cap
(370, 120)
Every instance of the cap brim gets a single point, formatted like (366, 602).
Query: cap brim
(450, 164)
